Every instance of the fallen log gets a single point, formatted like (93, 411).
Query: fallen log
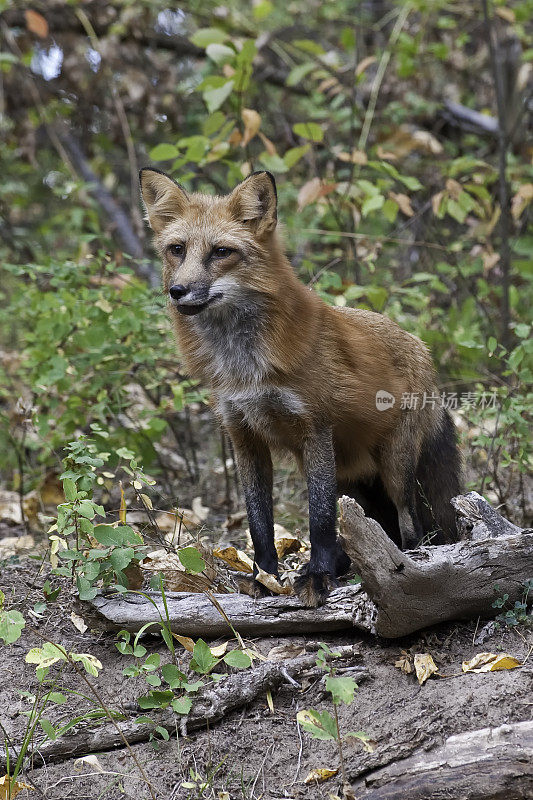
(422, 587)
(487, 764)
(194, 614)
(401, 592)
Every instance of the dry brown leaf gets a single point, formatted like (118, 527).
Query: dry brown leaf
(175, 577)
(78, 622)
(185, 642)
(285, 651)
(36, 23)
(320, 774)
(404, 203)
(364, 64)
(436, 200)
(270, 147)
(453, 188)
(272, 583)
(355, 157)
(235, 137)
(490, 662)
(312, 191)
(404, 663)
(235, 559)
(287, 544)
(252, 123)
(385, 154)
(10, 788)
(505, 13)
(424, 667)
(404, 140)
(327, 84)
(521, 200)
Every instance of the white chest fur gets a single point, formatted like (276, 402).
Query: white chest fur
(261, 408)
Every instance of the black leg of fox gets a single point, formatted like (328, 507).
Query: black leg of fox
(254, 465)
(438, 478)
(327, 558)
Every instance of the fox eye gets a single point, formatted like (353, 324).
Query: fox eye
(176, 249)
(222, 252)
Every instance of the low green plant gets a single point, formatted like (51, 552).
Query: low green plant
(321, 724)
(520, 613)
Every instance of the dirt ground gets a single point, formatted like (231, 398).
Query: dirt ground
(255, 752)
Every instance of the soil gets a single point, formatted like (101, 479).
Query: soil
(256, 752)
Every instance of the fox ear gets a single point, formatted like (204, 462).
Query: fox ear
(255, 201)
(163, 198)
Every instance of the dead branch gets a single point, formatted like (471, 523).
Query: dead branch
(211, 704)
(433, 584)
(487, 764)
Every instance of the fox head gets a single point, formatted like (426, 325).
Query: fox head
(212, 247)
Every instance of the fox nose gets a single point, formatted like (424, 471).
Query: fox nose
(177, 291)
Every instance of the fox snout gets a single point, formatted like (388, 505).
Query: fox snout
(192, 299)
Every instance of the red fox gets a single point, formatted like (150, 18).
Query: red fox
(287, 371)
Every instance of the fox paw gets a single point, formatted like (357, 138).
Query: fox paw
(313, 587)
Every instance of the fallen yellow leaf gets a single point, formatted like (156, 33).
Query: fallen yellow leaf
(236, 559)
(272, 583)
(185, 641)
(252, 123)
(490, 662)
(424, 667)
(10, 788)
(320, 775)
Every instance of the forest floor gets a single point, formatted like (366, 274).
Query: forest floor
(257, 752)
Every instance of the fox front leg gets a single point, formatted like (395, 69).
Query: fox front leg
(254, 465)
(327, 559)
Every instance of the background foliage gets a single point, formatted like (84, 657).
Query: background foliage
(398, 132)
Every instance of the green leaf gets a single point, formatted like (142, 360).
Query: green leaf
(173, 676)
(262, 9)
(163, 152)
(86, 509)
(390, 210)
(206, 36)
(70, 490)
(202, 660)
(45, 656)
(89, 662)
(309, 130)
(182, 705)
(342, 689)
(191, 559)
(297, 74)
(121, 557)
(214, 98)
(372, 204)
(273, 162)
(321, 725)
(238, 659)
(11, 625)
(293, 155)
(220, 53)
(455, 210)
(85, 590)
(48, 728)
